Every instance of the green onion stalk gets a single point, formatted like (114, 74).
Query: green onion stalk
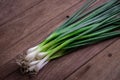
(86, 26)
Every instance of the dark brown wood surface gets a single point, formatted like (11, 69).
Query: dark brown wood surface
(25, 23)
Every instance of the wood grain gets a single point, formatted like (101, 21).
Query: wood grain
(105, 66)
(31, 20)
(30, 40)
(30, 26)
(63, 67)
(9, 9)
(18, 32)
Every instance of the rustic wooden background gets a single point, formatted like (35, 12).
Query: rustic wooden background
(25, 23)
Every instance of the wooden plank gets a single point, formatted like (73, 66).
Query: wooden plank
(19, 32)
(30, 41)
(8, 69)
(20, 46)
(60, 68)
(18, 76)
(105, 66)
(65, 66)
(31, 20)
(9, 9)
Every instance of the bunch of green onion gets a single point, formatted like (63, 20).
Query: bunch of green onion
(86, 26)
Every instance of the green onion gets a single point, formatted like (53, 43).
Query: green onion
(81, 29)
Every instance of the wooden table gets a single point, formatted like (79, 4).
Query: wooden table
(25, 23)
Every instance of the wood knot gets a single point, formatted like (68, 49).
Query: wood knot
(109, 55)
(67, 16)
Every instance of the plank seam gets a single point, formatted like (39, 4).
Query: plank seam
(9, 74)
(90, 59)
(34, 31)
(75, 69)
(39, 27)
(11, 19)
